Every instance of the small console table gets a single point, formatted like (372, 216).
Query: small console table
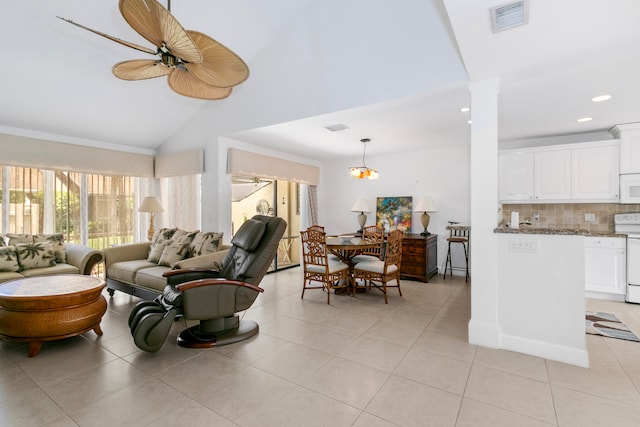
(419, 257)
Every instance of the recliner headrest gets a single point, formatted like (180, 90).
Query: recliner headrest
(249, 235)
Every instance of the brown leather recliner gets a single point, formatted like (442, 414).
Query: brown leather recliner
(212, 297)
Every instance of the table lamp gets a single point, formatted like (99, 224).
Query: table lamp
(151, 204)
(362, 207)
(424, 205)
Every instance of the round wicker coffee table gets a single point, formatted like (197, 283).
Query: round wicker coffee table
(46, 308)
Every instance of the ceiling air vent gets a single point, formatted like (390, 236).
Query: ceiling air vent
(509, 15)
(337, 127)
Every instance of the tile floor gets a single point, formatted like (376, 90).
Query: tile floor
(357, 362)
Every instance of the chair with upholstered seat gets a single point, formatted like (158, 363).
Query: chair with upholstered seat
(318, 267)
(378, 273)
(373, 235)
(212, 297)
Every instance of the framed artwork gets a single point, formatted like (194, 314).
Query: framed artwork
(394, 213)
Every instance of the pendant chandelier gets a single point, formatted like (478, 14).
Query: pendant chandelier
(363, 171)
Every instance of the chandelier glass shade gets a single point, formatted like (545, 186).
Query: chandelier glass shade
(363, 171)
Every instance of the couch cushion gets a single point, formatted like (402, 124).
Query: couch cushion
(152, 277)
(206, 243)
(2, 242)
(162, 235)
(61, 268)
(9, 275)
(173, 253)
(9, 259)
(35, 255)
(155, 251)
(125, 271)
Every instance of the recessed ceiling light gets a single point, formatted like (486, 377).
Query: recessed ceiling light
(465, 109)
(468, 122)
(584, 119)
(601, 98)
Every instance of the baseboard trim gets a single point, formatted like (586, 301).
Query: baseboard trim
(484, 334)
(559, 353)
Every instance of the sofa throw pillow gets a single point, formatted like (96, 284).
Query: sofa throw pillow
(2, 243)
(173, 253)
(155, 252)
(9, 259)
(19, 238)
(35, 255)
(161, 235)
(57, 241)
(205, 243)
(184, 237)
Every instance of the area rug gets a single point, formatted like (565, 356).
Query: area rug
(608, 325)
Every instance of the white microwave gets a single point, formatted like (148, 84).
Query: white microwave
(630, 188)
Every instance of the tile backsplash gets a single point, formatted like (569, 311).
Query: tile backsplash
(567, 216)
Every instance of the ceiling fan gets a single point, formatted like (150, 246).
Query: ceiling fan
(197, 66)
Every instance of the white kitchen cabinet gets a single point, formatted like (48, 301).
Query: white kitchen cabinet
(516, 176)
(629, 135)
(552, 175)
(595, 173)
(606, 267)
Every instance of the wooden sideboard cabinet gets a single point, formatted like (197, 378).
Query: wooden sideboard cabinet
(419, 257)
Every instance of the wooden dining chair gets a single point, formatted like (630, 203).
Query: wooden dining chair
(378, 273)
(373, 235)
(318, 267)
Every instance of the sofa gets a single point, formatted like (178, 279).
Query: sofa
(28, 255)
(137, 269)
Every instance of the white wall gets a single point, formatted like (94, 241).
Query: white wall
(440, 173)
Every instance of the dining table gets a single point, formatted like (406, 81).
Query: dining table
(346, 248)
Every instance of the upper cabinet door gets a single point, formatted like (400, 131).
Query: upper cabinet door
(629, 135)
(594, 173)
(516, 177)
(552, 175)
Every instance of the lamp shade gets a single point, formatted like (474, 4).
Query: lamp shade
(425, 204)
(361, 206)
(150, 204)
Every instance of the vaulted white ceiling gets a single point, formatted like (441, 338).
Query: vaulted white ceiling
(393, 72)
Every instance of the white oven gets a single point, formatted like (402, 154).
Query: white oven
(629, 224)
(630, 188)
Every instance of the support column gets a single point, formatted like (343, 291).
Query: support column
(484, 328)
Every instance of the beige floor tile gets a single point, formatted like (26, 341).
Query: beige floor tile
(446, 345)
(514, 363)
(577, 409)
(376, 353)
(436, 371)
(395, 332)
(408, 403)
(252, 349)
(192, 414)
(612, 384)
(511, 392)
(293, 361)
(368, 420)
(307, 408)
(77, 391)
(325, 338)
(477, 414)
(29, 409)
(346, 381)
(145, 402)
(246, 395)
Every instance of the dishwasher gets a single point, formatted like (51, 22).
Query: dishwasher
(629, 224)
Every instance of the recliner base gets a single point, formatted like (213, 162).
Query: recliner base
(193, 337)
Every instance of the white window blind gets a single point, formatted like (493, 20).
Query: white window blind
(241, 162)
(41, 154)
(178, 164)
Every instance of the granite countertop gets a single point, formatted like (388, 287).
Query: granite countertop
(564, 232)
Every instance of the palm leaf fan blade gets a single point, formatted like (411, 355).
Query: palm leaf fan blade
(184, 83)
(220, 66)
(140, 69)
(156, 24)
